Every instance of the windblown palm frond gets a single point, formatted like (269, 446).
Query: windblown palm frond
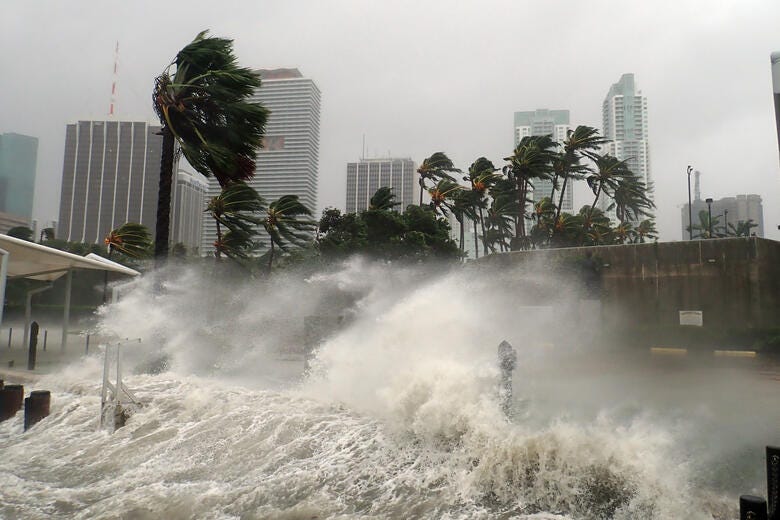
(288, 222)
(435, 168)
(130, 239)
(383, 199)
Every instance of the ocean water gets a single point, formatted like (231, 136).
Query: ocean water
(397, 416)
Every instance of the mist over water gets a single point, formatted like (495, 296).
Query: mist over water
(398, 416)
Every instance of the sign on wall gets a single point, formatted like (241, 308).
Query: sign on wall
(694, 318)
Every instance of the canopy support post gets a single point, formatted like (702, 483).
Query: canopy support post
(66, 311)
(28, 311)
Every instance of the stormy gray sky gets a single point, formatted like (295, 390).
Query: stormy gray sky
(420, 76)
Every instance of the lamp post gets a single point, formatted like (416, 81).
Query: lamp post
(709, 217)
(726, 222)
(690, 211)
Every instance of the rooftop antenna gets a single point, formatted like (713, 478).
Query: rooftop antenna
(115, 77)
(696, 186)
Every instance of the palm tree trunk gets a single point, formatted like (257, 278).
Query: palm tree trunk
(164, 197)
(217, 252)
(462, 233)
(598, 194)
(484, 237)
(476, 239)
(560, 203)
(271, 256)
(422, 188)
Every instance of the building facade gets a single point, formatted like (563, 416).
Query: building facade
(775, 60)
(726, 212)
(187, 211)
(624, 114)
(18, 161)
(111, 175)
(368, 175)
(554, 123)
(289, 160)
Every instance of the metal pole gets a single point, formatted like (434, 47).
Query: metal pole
(726, 222)
(690, 209)
(3, 275)
(66, 312)
(709, 218)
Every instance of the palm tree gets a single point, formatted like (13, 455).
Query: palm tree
(531, 160)
(286, 222)
(596, 229)
(646, 229)
(462, 208)
(543, 216)
(578, 144)
(383, 199)
(21, 232)
(742, 229)
(130, 239)
(482, 175)
(499, 222)
(435, 168)
(624, 233)
(237, 208)
(610, 171)
(203, 102)
(47, 234)
(702, 229)
(630, 199)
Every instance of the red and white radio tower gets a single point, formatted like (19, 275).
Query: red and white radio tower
(113, 83)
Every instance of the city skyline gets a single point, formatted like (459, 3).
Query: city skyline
(366, 176)
(707, 78)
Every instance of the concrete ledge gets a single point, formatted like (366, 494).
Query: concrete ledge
(668, 351)
(735, 353)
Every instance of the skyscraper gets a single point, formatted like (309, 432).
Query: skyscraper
(775, 59)
(368, 175)
(554, 123)
(110, 176)
(624, 113)
(18, 158)
(288, 162)
(187, 212)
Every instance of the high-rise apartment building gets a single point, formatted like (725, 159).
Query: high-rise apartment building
(554, 123)
(726, 212)
(111, 175)
(775, 59)
(624, 114)
(18, 159)
(368, 175)
(288, 162)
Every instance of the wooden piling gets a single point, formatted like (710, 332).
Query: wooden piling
(32, 353)
(11, 399)
(752, 508)
(773, 481)
(36, 407)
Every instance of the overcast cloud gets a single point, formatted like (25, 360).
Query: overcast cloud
(420, 76)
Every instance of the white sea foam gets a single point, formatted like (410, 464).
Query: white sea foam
(397, 419)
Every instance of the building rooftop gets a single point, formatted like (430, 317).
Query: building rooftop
(280, 73)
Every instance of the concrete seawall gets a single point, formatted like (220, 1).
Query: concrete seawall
(735, 282)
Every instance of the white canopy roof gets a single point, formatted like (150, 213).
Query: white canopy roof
(39, 262)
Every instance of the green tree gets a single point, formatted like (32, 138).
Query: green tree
(384, 198)
(203, 101)
(435, 168)
(610, 172)
(531, 161)
(237, 208)
(630, 200)
(21, 232)
(579, 142)
(287, 223)
(130, 239)
(481, 176)
(646, 230)
(741, 229)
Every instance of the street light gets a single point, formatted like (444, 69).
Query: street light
(690, 211)
(709, 212)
